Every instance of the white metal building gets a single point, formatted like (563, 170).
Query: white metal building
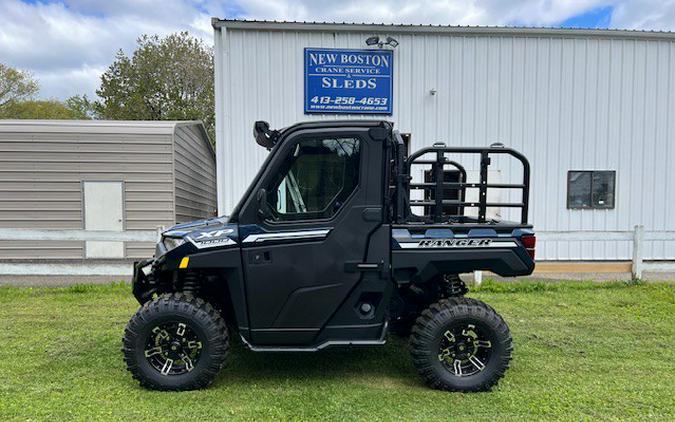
(592, 109)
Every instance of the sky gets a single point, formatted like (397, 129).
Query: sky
(68, 44)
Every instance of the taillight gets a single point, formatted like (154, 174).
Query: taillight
(529, 241)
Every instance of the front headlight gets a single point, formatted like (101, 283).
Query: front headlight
(172, 242)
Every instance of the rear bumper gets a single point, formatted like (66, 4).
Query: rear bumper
(423, 265)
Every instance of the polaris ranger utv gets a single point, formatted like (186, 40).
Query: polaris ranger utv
(334, 244)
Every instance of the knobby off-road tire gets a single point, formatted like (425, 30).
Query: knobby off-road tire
(461, 344)
(175, 342)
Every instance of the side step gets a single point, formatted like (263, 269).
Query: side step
(329, 343)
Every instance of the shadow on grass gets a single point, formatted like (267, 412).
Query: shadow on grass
(391, 361)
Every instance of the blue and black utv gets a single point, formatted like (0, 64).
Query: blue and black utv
(341, 238)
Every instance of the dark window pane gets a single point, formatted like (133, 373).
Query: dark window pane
(603, 189)
(579, 189)
(319, 176)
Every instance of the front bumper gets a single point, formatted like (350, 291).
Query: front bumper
(143, 282)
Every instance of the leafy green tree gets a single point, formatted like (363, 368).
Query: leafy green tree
(16, 85)
(168, 78)
(17, 89)
(81, 107)
(37, 109)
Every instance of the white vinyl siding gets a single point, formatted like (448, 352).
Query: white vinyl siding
(43, 165)
(195, 170)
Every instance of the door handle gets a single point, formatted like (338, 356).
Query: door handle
(257, 258)
(372, 214)
(353, 266)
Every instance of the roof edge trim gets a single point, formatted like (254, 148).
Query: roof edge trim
(439, 29)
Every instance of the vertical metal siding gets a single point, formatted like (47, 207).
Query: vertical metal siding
(42, 166)
(195, 174)
(588, 103)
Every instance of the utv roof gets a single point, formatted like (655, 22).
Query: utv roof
(267, 137)
(336, 123)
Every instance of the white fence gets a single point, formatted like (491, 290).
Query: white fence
(83, 235)
(107, 268)
(638, 236)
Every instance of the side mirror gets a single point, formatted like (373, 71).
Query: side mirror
(263, 135)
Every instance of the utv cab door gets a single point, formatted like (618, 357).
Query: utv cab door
(314, 248)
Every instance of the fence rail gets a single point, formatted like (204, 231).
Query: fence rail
(82, 235)
(637, 236)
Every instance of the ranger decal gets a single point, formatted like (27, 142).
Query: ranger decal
(457, 243)
(453, 243)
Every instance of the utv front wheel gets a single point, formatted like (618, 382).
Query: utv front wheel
(175, 342)
(461, 344)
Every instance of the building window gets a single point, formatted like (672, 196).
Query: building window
(590, 189)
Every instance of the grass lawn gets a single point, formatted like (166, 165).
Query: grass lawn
(582, 351)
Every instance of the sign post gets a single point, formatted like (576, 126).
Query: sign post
(348, 81)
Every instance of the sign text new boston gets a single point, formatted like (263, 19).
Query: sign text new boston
(348, 81)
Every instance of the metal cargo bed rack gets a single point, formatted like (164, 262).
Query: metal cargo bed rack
(438, 189)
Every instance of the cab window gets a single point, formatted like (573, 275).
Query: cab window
(315, 180)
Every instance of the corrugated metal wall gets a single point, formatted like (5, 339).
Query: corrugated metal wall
(195, 170)
(602, 102)
(43, 164)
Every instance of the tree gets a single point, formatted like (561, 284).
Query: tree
(167, 78)
(15, 85)
(81, 107)
(17, 89)
(38, 109)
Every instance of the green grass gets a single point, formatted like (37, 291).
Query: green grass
(582, 351)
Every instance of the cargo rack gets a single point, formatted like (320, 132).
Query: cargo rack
(439, 187)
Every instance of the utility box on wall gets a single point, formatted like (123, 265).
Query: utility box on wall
(101, 175)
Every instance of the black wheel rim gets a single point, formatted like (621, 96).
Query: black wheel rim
(173, 348)
(464, 349)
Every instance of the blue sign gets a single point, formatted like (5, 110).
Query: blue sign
(348, 81)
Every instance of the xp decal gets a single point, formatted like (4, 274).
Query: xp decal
(211, 239)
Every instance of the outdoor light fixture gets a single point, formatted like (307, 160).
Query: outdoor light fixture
(375, 40)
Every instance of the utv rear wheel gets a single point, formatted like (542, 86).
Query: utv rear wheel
(175, 342)
(461, 344)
